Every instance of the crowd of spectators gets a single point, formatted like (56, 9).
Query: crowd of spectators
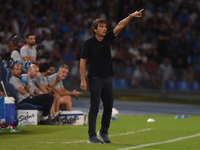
(166, 39)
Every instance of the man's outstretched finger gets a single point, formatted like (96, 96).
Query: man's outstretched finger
(141, 10)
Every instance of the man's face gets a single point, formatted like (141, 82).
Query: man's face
(20, 44)
(34, 71)
(51, 70)
(16, 71)
(101, 29)
(31, 40)
(63, 72)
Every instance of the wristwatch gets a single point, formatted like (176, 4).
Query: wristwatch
(130, 16)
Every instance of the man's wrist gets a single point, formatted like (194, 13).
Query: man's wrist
(130, 15)
(83, 79)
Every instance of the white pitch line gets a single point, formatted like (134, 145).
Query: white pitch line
(121, 134)
(74, 142)
(169, 141)
(127, 133)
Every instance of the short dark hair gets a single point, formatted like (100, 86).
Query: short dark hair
(96, 22)
(64, 66)
(43, 67)
(14, 63)
(29, 34)
(51, 63)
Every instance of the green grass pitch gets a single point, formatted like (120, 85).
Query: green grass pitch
(126, 132)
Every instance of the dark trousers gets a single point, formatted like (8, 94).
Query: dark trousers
(44, 100)
(100, 88)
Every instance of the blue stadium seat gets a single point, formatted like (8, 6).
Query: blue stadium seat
(115, 83)
(11, 63)
(171, 85)
(123, 83)
(26, 65)
(183, 86)
(120, 83)
(194, 86)
(30, 63)
(10, 89)
(19, 62)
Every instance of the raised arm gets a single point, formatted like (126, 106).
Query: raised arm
(124, 22)
(50, 87)
(83, 85)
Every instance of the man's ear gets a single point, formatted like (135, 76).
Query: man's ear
(95, 30)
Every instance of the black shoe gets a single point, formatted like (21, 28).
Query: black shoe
(103, 137)
(94, 139)
(46, 122)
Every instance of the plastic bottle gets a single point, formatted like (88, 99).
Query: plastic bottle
(2, 109)
(14, 130)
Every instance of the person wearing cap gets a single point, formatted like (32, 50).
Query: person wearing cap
(18, 43)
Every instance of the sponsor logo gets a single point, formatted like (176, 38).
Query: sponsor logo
(25, 117)
(69, 120)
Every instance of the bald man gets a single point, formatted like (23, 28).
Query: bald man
(32, 73)
(30, 76)
(23, 91)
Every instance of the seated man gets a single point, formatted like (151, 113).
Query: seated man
(44, 100)
(42, 81)
(65, 95)
(32, 73)
(52, 66)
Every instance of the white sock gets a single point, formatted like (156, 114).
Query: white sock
(51, 116)
(56, 114)
(44, 118)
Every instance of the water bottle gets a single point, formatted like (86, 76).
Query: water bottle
(2, 109)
